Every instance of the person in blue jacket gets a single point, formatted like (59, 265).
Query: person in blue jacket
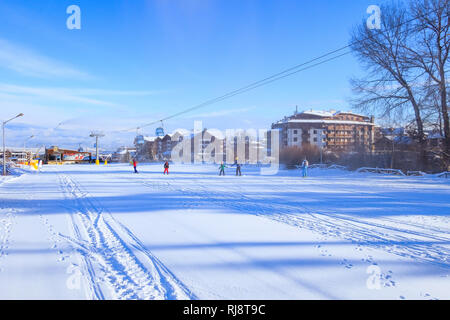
(238, 167)
(305, 165)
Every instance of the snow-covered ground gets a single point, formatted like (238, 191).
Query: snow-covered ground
(102, 232)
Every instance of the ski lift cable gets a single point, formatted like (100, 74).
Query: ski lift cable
(278, 76)
(246, 88)
(253, 87)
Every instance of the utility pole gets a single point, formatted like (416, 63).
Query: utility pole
(25, 142)
(96, 135)
(4, 146)
(24, 147)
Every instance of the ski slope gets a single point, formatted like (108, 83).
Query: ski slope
(103, 232)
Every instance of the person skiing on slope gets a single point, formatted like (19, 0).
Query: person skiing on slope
(305, 165)
(238, 167)
(222, 169)
(166, 167)
(135, 165)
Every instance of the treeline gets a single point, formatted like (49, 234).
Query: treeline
(406, 81)
(406, 157)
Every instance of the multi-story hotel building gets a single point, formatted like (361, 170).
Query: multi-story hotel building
(332, 130)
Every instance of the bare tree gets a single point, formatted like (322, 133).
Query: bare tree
(390, 88)
(431, 54)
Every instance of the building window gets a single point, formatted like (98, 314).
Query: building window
(315, 131)
(295, 131)
(315, 139)
(295, 139)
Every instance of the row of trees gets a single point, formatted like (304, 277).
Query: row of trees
(407, 69)
(402, 157)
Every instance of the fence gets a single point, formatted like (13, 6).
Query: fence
(444, 174)
(324, 166)
(396, 172)
(415, 173)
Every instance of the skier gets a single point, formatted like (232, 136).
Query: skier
(166, 167)
(222, 169)
(135, 165)
(238, 169)
(305, 165)
(238, 166)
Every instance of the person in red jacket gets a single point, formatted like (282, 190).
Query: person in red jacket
(135, 165)
(166, 167)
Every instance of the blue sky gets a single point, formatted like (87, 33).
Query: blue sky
(134, 62)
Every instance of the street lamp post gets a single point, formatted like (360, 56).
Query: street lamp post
(4, 146)
(25, 142)
(96, 135)
(24, 147)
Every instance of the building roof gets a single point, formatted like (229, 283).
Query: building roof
(18, 149)
(182, 132)
(321, 121)
(320, 113)
(55, 149)
(216, 133)
(323, 117)
(151, 139)
(328, 114)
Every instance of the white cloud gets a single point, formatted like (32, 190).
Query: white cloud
(74, 109)
(52, 94)
(27, 62)
(88, 92)
(79, 95)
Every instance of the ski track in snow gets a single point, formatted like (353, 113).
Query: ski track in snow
(115, 264)
(423, 246)
(113, 257)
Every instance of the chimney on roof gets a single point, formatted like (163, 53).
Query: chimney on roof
(372, 119)
(296, 109)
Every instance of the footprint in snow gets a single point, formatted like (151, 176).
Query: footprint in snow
(347, 264)
(428, 296)
(387, 279)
